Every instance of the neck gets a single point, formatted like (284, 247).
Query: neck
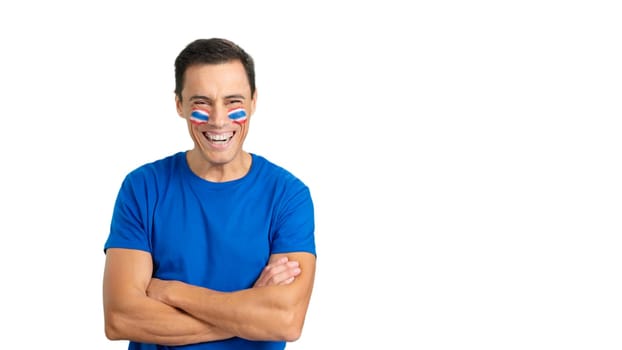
(219, 172)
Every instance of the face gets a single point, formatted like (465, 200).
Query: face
(217, 104)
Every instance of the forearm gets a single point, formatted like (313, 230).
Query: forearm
(267, 313)
(142, 319)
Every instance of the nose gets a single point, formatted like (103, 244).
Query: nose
(218, 117)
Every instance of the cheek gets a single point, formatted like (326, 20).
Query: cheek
(238, 115)
(199, 116)
(243, 131)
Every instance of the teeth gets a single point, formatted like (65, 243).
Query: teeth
(219, 137)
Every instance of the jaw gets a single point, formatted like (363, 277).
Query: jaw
(218, 154)
(217, 147)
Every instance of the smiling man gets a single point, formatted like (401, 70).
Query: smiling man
(210, 248)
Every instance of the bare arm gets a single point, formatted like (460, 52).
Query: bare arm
(131, 315)
(274, 309)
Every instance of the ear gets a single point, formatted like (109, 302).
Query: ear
(253, 102)
(179, 107)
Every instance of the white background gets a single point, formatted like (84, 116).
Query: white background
(464, 158)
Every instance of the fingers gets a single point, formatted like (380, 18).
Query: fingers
(279, 272)
(284, 272)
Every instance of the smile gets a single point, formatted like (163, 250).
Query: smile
(219, 137)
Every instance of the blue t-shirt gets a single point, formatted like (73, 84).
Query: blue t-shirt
(215, 235)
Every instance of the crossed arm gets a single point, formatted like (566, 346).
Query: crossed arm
(144, 309)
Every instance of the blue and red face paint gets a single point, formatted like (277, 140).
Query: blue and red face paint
(200, 116)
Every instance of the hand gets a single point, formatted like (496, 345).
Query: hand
(278, 272)
(157, 289)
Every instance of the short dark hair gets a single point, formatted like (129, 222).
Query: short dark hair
(212, 51)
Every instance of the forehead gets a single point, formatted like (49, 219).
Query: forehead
(215, 79)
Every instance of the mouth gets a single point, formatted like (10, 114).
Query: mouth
(219, 138)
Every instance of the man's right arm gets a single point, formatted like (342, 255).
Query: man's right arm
(130, 314)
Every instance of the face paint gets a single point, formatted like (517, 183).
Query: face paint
(199, 116)
(238, 115)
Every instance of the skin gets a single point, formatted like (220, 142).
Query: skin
(217, 89)
(275, 311)
(140, 308)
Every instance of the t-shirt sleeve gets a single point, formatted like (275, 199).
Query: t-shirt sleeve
(295, 223)
(129, 224)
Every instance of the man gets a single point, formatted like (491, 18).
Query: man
(214, 247)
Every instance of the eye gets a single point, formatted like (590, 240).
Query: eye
(234, 102)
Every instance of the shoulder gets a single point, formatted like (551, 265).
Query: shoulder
(276, 172)
(282, 184)
(151, 173)
(162, 165)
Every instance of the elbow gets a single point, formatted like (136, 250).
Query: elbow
(292, 335)
(292, 326)
(292, 319)
(112, 328)
(111, 333)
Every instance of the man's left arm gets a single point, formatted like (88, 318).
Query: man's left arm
(268, 311)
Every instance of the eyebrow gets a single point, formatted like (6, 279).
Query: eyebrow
(199, 97)
(228, 97)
